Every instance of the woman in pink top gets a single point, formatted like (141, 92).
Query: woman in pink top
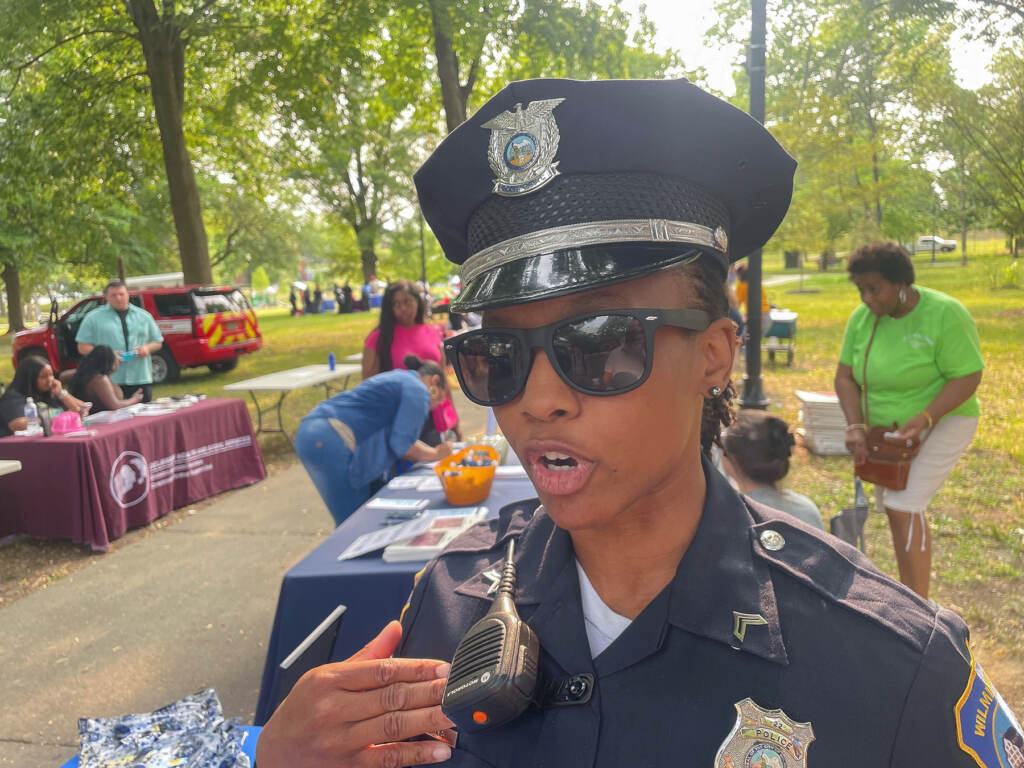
(400, 332)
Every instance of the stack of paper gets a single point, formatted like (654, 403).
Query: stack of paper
(823, 423)
(445, 525)
(419, 538)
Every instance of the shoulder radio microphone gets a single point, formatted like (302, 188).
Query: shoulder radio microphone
(493, 676)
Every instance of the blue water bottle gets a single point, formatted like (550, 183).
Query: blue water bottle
(330, 361)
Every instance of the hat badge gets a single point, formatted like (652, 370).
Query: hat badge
(522, 147)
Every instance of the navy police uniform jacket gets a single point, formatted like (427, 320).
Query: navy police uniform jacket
(883, 678)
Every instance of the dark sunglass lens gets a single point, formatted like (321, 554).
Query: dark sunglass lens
(603, 353)
(489, 364)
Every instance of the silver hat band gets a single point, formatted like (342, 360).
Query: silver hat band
(591, 233)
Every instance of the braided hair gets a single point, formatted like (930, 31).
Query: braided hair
(705, 278)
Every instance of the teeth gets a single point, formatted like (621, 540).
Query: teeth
(552, 456)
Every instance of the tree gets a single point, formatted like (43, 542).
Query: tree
(552, 38)
(346, 111)
(840, 76)
(63, 192)
(114, 45)
(990, 123)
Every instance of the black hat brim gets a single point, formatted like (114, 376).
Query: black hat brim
(570, 270)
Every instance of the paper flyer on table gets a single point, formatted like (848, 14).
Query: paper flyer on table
(371, 542)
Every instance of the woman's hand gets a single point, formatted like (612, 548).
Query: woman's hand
(357, 712)
(914, 427)
(443, 450)
(69, 401)
(142, 350)
(857, 444)
(136, 397)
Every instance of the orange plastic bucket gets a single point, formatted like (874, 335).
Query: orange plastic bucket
(467, 485)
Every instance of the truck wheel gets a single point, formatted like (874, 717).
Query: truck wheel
(165, 369)
(223, 366)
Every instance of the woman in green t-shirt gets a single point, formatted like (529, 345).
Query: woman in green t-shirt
(922, 371)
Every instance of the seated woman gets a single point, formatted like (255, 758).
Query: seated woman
(756, 451)
(34, 378)
(355, 436)
(92, 382)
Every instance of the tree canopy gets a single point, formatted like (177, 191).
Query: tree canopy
(215, 138)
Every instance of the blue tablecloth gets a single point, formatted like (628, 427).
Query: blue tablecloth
(373, 591)
(248, 746)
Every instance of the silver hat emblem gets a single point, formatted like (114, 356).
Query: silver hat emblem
(522, 148)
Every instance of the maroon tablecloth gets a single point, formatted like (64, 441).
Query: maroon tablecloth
(92, 489)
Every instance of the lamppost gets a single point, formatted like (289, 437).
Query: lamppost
(753, 389)
(423, 253)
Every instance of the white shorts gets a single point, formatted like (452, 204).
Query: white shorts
(939, 453)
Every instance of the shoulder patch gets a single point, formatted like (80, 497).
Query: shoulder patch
(986, 728)
(415, 580)
(841, 574)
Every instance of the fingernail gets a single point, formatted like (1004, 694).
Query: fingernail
(441, 752)
(443, 670)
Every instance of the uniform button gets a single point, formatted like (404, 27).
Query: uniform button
(772, 540)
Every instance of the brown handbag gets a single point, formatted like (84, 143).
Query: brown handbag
(889, 458)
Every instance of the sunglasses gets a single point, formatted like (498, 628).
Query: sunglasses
(602, 353)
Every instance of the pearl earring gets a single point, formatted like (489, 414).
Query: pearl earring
(903, 295)
(716, 391)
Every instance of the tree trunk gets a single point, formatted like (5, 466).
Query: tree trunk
(165, 64)
(877, 175)
(963, 243)
(452, 96)
(15, 320)
(368, 256)
(366, 237)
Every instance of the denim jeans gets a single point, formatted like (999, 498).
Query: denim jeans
(326, 458)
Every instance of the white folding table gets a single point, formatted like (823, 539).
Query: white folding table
(288, 381)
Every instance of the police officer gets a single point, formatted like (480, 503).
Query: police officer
(594, 222)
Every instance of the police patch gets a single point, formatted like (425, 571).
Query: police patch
(764, 738)
(986, 728)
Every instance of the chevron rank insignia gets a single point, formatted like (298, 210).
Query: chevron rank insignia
(764, 738)
(522, 147)
(740, 622)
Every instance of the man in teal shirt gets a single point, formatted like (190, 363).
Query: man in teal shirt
(130, 331)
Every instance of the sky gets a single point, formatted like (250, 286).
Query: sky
(681, 25)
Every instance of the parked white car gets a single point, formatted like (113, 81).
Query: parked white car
(928, 243)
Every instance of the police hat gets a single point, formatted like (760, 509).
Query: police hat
(558, 186)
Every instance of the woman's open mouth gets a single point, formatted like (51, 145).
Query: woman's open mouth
(559, 472)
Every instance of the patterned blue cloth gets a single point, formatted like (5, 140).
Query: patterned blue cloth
(189, 733)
